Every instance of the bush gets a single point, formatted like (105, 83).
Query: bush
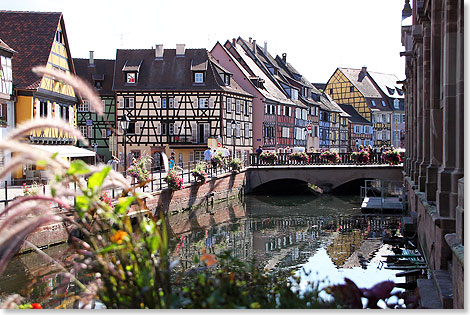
(199, 173)
(218, 160)
(174, 180)
(236, 165)
(138, 168)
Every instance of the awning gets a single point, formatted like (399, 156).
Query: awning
(65, 150)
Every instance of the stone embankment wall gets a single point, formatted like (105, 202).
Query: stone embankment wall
(194, 195)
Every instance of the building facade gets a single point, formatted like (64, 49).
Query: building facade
(433, 40)
(179, 101)
(7, 114)
(359, 129)
(40, 38)
(98, 129)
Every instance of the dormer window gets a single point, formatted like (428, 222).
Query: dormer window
(400, 92)
(390, 91)
(227, 79)
(130, 77)
(383, 103)
(295, 94)
(59, 37)
(198, 77)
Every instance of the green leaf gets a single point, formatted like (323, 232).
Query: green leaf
(124, 204)
(78, 167)
(53, 156)
(96, 180)
(82, 204)
(41, 163)
(110, 248)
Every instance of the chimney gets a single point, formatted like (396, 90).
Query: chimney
(249, 40)
(91, 61)
(159, 51)
(234, 42)
(284, 56)
(180, 50)
(265, 47)
(254, 46)
(364, 70)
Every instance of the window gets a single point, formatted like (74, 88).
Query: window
(247, 130)
(198, 156)
(129, 102)
(43, 109)
(383, 103)
(402, 118)
(164, 102)
(59, 37)
(131, 129)
(351, 89)
(85, 107)
(295, 94)
(170, 102)
(83, 130)
(331, 91)
(373, 103)
(245, 106)
(130, 77)
(171, 128)
(198, 77)
(237, 106)
(104, 133)
(229, 105)
(204, 103)
(227, 79)
(98, 84)
(396, 104)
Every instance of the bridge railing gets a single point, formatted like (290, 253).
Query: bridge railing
(315, 159)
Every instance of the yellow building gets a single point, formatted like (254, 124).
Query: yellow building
(40, 39)
(356, 87)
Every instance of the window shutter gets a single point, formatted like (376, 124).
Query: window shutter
(229, 105)
(120, 101)
(159, 102)
(49, 110)
(229, 129)
(131, 102)
(247, 130)
(193, 131)
(176, 128)
(237, 133)
(89, 131)
(191, 156)
(137, 127)
(195, 103)
(175, 103)
(120, 131)
(237, 106)
(103, 133)
(206, 131)
(56, 111)
(159, 128)
(71, 115)
(211, 102)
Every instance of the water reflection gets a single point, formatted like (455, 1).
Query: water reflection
(326, 236)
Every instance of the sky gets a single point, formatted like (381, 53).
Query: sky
(317, 36)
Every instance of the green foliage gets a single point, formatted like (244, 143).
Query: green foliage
(236, 165)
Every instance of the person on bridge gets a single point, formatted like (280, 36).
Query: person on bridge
(259, 151)
(207, 154)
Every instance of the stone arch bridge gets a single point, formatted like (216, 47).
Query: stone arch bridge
(327, 177)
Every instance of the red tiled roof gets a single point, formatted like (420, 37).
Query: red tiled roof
(31, 34)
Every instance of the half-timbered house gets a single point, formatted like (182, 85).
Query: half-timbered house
(7, 111)
(360, 129)
(180, 101)
(96, 128)
(40, 38)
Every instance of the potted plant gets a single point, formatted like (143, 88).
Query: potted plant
(199, 173)
(236, 165)
(268, 157)
(138, 169)
(392, 157)
(300, 157)
(174, 180)
(331, 157)
(362, 156)
(32, 190)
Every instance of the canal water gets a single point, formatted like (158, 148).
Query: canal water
(322, 238)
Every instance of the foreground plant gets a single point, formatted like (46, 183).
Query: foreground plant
(199, 173)
(236, 165)
(269, 157)
(330, 156)
(174, 180)
(361, 156)
(138, 168)
(300, 157)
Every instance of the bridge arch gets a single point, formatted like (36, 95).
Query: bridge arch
(327, 177)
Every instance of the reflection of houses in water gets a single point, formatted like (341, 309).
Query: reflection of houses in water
(343, 246)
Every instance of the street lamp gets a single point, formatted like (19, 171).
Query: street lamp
(234, 125)
(125, 125)
(306, 138)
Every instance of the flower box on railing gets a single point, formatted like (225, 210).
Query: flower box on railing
(174, 180)
(392, 157)
(300, 157)
(199, 173)
(331, 157)
(268, 157)
(362, 156)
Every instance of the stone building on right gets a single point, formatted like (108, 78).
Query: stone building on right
(433, 37)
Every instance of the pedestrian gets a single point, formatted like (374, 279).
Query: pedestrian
(171, 162)
(207, 154)
(225, 151)
(214, 153)
(259, 151)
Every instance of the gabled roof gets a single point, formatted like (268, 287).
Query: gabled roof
(388, 84)
(31, 34)
(362, 82)
(5, 47)
(331, 105)
(354, 116)
(103, 69)
(171, 73)
(271, 91)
